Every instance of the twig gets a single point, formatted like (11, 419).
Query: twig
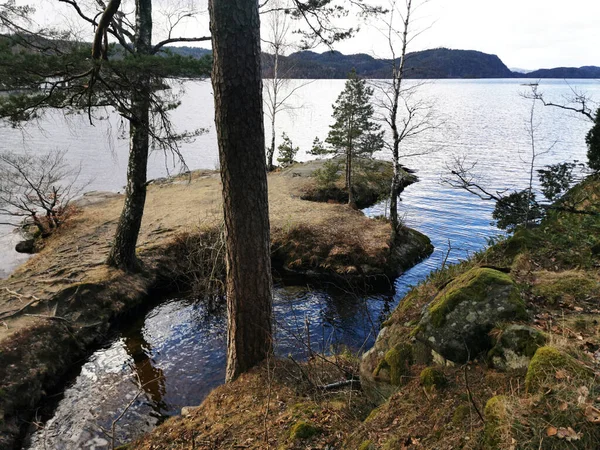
(470, 394)
(447, 255)
(353, 383)
(302, 371)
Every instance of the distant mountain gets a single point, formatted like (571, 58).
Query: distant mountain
(518, 70)
(433, 64)
(436, 63)
(566, 72)
(196, 52)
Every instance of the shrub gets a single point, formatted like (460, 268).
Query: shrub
(593, 142)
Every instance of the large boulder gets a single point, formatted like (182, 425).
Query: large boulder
(456, 324)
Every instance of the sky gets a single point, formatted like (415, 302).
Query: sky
(526, 34)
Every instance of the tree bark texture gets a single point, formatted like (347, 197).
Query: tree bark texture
(122, 254)
(237, 86)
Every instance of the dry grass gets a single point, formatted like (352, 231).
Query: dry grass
(262, 407)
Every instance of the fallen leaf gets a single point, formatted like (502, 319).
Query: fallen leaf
(592, 414)
(563, 406)
(583, 392)
(561, 374)
(568, 434)
(551, 431)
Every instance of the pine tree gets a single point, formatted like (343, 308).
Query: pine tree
(593, 142)
(354, 134)
(287, 151)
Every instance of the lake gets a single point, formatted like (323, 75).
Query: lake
(180, 342)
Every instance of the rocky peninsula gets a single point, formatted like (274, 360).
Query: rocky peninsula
(60, 304)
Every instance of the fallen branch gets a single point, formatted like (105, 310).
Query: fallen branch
(353, 383)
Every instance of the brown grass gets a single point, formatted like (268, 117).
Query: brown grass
(76, 253)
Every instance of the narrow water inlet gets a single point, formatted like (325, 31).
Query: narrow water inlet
(175, 355)
(176, 352)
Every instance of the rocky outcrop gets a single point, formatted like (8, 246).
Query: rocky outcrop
(457, 322)
(453, 326)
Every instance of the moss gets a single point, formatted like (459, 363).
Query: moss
(394, 443)
(472, 286)
(496, 422)
(546, 362)
(366, 445)
(461, 414)
(431, 377)
(373, 414)
(303, 430)
(398, 361)
(572, 285)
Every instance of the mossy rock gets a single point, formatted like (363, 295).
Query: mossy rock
(431, 377)
(515, 347)
(457, 322)
(546, 362)
(303, 430)
(396, 364)
(497, 424)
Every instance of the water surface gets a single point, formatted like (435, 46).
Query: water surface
(177, 352)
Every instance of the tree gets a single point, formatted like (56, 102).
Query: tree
(593, 142)
(405, 116)
(578, 102)
(237, 89)
(354, 133)
(38, 188)
(277, 83)
(129, 78)
(287, 151)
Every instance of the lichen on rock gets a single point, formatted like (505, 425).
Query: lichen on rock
(515, 347)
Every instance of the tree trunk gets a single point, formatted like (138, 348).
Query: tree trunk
(349, 178)
(270, 165)
(274, 109)
(122, 254)
(397, 78)
(237, 87)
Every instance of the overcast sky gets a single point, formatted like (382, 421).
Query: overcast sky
(528, 34)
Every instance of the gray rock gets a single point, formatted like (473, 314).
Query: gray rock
(515, 347)
(457, 322)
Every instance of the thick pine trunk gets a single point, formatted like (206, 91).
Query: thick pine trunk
(122, 254)
(237, 87)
